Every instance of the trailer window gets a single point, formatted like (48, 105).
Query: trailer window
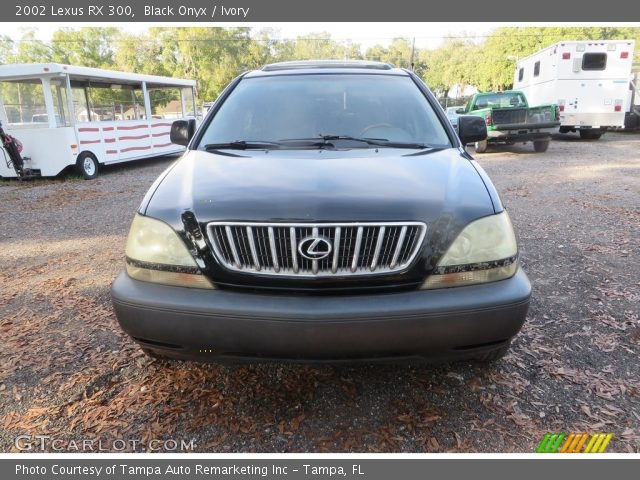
(520, 74)
(23, 102)
(60, 102)
(109, 102)
(594, 61)
(80, 105)
(189, 102)
(165, 103)
(536, 69)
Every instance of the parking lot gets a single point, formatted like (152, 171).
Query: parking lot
(67, 371)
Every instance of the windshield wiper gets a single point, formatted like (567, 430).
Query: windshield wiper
(243, 145)
(324, 140)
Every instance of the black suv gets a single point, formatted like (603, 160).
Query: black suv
(323, 211)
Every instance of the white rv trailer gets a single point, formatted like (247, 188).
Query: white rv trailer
(588, 79)
(632, 115)
(65, 115)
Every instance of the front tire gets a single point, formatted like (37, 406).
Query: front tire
(87, 165)
(481, 146)
(540, 145)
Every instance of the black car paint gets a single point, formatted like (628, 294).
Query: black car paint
(444, 188)
(322, 319)
(442, 324)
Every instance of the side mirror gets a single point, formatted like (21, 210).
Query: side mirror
(471, 129)
(182, 131)
(460, 111)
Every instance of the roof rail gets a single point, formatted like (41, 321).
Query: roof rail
(304, 64)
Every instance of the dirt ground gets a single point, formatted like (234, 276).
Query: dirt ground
(69, 373)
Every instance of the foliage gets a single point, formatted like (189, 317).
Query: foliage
(89, 47)
(214, 56)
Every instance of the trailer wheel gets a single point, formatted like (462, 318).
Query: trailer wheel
(481, 146)
(594, 134)
(540, 145)
(87, 165)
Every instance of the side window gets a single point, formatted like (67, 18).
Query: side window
(80, 103)
(113, 102)
(165, 103)
(60, 102)
(520, 74)
(594, 61)
(189, 102)
(536, 69)
(139, 110)
(127, 104)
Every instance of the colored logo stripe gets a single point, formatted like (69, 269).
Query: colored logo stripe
(598, 443)
(550, 442)
(574, 443)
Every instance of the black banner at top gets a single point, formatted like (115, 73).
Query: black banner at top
(240, 11)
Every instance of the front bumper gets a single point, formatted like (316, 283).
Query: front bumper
(214, 325)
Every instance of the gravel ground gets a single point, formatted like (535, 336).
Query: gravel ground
(67, 371)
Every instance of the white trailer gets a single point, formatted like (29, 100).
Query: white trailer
(65, 115)
(588, 79)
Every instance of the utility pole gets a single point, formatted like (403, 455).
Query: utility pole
(413, 49)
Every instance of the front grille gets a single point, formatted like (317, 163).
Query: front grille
(355, 248)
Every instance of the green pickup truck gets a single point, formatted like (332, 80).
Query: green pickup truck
(510, 119)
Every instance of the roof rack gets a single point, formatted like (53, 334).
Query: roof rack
(305, 64)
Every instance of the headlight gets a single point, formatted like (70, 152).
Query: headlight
(485, 251)
(155, 253)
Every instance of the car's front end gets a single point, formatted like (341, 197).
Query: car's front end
(387, 246)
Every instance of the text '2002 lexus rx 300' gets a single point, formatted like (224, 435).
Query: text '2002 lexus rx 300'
(323, 211)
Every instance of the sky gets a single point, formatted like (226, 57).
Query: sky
(427, 35)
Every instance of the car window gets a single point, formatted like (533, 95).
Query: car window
(501, 100)
(299, 106)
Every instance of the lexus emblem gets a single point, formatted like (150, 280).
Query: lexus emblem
(315, 247)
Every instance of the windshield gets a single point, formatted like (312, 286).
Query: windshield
(294, 107)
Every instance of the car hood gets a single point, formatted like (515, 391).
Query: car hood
(321, 186)
(442, 188)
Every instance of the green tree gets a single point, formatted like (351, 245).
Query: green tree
(315, 46)
(452, 64)
(89, 46)
(7, 47)
(141, 53)
(212, 56)
(32, 50)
